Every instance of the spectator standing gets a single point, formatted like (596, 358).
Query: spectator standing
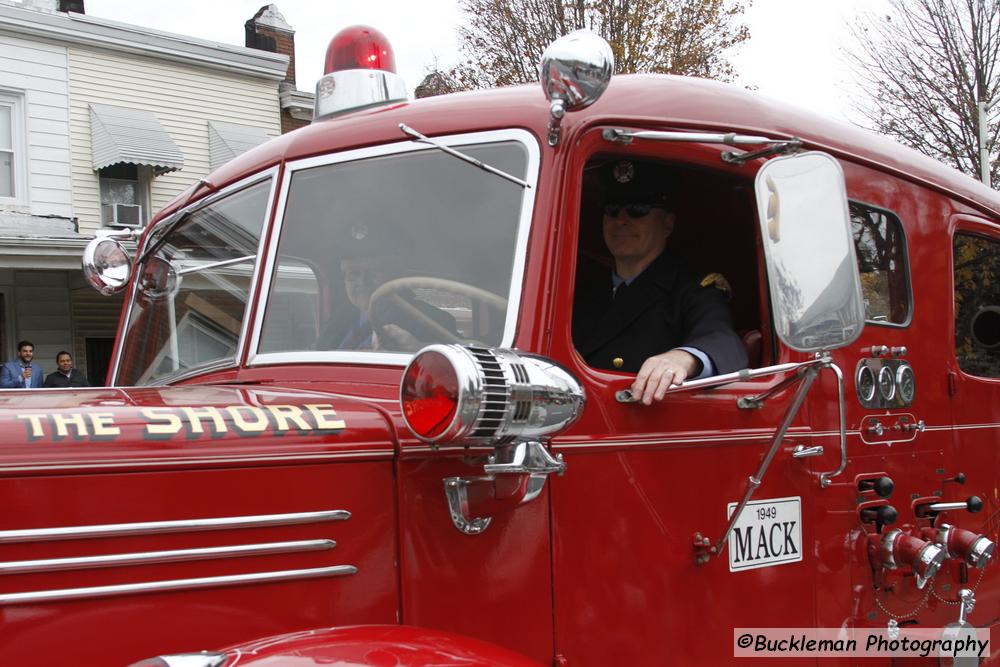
(65, 375)
(22, 372)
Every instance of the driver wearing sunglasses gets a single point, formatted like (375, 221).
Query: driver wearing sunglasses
(652, 316)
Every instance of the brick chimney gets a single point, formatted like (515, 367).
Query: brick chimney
(268, 31)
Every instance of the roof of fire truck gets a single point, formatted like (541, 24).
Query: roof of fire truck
(646, 100)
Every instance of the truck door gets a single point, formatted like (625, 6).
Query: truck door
(646, 485)
(974, 380)
(417, 246)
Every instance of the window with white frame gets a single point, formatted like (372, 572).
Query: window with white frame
(12, 153)
(124, 195)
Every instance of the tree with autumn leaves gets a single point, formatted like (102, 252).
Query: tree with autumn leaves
(502, 40)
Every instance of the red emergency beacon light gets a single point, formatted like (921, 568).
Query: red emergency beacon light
(360, 72)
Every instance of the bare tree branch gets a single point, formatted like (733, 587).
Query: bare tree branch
(923, 67)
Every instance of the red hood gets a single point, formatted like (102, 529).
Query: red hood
(153, 426)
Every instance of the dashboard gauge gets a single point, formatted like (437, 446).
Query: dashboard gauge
(906, 383)
(886, 384)
(865, 384)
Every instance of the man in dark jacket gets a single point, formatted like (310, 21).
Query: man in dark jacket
(66, 375)
(651, 316)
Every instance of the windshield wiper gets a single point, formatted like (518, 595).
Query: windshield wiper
(462, 156)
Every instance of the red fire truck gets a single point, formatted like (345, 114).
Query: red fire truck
(468, 490)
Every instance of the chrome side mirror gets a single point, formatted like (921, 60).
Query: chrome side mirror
(809, 248)
(107, 265)
(574, 71)
(158, 279)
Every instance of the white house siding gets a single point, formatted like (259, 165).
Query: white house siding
(41, 311)
(94, 316)
(183, 97)
(37, 70)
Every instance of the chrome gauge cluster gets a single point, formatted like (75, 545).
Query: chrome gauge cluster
(885, 383)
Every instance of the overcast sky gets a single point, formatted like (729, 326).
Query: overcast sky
(794, 52)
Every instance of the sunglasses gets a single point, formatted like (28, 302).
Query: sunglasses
(632, 210)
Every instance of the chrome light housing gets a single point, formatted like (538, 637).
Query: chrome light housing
(107, 265)
(576, 69)
(486, 396)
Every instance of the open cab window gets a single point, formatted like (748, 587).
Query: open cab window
(709, 268)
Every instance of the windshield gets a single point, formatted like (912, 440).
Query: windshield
(390, 253)
(191, 295)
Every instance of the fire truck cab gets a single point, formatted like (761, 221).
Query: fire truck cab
(347, 422)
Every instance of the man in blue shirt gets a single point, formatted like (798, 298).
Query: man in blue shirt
(22, 372)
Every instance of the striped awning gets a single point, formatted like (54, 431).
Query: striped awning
(132, 136)
(227, 140)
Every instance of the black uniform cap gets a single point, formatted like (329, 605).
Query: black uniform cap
(632, 181)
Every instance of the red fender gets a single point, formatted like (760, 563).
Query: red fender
(374, 646)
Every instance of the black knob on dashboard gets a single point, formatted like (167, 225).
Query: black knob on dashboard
(882, 486)
(974, 504)
(883, 515)
(958, 479)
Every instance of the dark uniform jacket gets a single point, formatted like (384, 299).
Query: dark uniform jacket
(665, 307)
(57, 379)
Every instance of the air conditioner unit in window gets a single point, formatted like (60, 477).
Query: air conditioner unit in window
(122, 215)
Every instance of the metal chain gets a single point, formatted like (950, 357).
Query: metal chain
(913, 612)
(982, 571)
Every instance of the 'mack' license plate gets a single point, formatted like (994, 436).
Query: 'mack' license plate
(769, 532)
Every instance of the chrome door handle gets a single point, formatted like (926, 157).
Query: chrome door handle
(803, 452)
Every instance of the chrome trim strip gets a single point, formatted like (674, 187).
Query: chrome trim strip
(160, 527)
(171, 556)
(60, 594)
(962, 427)
(399, 147)
(145, 463)
(270, 173)
(215, 265)
(665, 441)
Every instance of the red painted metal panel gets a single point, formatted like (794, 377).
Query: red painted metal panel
(377, 646)
(48, 483)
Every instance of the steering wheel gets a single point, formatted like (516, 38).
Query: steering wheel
(393, 290)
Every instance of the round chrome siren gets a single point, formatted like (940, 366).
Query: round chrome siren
(485, 396)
